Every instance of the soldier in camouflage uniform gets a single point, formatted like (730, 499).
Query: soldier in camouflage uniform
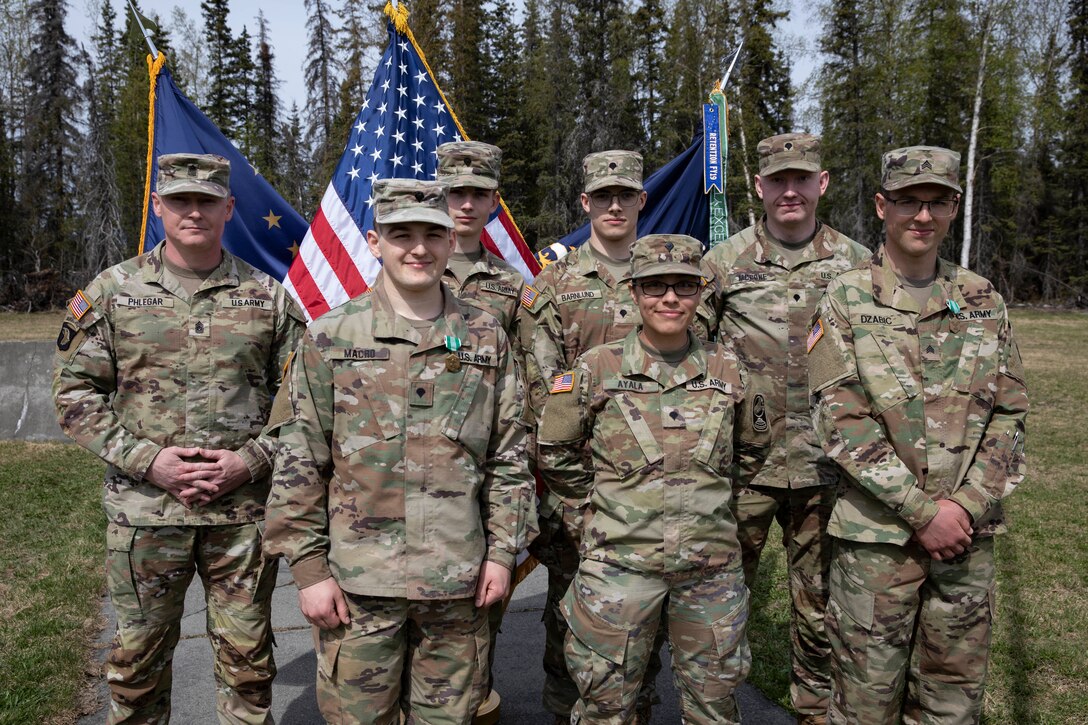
(668, 423)
(166, 367)
(471, 171)
(575, 303)
(401, 494)
(919, 394)
(772, 275)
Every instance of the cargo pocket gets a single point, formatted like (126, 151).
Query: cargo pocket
(482, 637)
(850, 610)
(714, 451)
(730, 667)
(120, 577)
(887, 384)
(458, 426)
(595, 652)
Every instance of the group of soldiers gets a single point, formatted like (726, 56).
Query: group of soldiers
(673, 402)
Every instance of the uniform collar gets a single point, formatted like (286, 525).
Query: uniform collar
(386, 323)
(764, 251)
(484, 265)
(637, 362)
(156, 272)
(890, 292)
(587, 264)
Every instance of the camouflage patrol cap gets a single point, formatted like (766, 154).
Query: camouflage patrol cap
(411, 200)
(612, 168)
(657, 254)
(193, 174)
(799, 151)
(915, 165)
(469, 163)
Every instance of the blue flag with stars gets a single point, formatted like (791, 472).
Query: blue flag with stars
(265, 230)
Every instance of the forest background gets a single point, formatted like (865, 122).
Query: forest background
(1003, 82)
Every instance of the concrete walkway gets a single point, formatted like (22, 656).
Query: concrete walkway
(519, 677)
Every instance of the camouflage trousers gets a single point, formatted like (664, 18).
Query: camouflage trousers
(427, 659)
(803, 515)
(556, 548)
(614, 615)
(910, 636)
(148, 571)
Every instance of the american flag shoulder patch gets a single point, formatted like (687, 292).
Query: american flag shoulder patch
(79, 305)
(563, 383)
(528, 296)
(815, 335)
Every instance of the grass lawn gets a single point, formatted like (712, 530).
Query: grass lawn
(51, 549)
(30, 325)
(1039, 662)
(52, 543)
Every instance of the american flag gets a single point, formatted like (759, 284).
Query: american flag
(403, 120)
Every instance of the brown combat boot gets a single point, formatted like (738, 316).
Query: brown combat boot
(488, 712)
(820, 719)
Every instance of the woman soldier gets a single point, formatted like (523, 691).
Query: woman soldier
(648, 435)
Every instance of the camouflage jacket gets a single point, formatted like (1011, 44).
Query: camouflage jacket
(575, 304)
(402, 465)
(916, 404)
(493, 286)
(765, 307)
(654, 449)
(148, 367)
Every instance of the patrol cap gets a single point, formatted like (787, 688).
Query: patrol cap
(193, 174)
(657, 254)
(411, 200)
(915, 165)
(799, 151)
(612, 168)
(469, 163)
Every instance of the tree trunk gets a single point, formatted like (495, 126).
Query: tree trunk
(972, 149)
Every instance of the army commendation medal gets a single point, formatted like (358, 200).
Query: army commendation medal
(453, 362)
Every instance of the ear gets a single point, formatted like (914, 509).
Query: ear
(156, 204)
(372, 243)
(585, 202)
(825, 179)
(759, 186)
(880, 202)
(641, 200)
(230, 208)
(494, 201)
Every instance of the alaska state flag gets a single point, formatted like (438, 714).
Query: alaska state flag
(265, 230)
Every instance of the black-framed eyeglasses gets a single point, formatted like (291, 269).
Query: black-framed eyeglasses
(603, 199)
(938, 208)
(657, 288)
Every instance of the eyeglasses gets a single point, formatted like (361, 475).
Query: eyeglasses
(938, 208)
(683, 288)
(603, 199)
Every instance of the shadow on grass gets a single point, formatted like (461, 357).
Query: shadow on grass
(1013, 641)
(769, 625)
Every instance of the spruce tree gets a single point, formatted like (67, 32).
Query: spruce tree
(467, 63)
(221, 103)
(297, 169)
(1074, 155)
(322, 91)
(49, 153)
(264, 130)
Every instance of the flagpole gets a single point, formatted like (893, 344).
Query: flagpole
(719, 205)
(143, 30)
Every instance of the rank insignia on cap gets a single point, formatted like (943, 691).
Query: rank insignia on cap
(528, 297)
(79, 305)
(815, 335)
(563, 383)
